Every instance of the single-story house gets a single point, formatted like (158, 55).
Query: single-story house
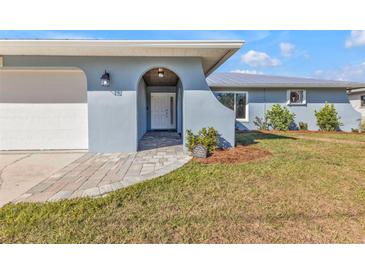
(357, 100)
(105, 95)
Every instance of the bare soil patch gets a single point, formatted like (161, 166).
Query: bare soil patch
(239, 154)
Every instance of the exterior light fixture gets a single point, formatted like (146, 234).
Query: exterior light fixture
(161, 73)
(105, 79)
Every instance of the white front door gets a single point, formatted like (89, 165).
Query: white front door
(163, 110)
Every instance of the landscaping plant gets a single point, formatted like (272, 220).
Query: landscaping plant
(303, 126)
(262, 124)
(280, 118)
(362, 126)
(327, 118)
(205, 137)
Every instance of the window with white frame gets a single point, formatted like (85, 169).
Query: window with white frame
(362, 101)
(235, 100)
(296, 96)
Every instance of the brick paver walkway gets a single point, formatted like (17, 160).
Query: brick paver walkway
(96, 174)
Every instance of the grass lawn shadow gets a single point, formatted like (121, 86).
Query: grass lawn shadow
(249, 137)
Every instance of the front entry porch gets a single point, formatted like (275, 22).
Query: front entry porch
(159, 108)
(160, 139)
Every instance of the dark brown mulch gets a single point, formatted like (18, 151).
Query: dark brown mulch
(239, 154)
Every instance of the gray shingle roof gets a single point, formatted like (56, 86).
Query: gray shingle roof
(245, 80)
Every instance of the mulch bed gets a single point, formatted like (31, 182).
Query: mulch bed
(239, 154)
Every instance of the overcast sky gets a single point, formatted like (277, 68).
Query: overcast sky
(338, 55)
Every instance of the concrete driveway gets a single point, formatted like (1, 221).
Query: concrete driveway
(20, 171)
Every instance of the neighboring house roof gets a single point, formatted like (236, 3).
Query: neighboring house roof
(245, 80)
(213, 52)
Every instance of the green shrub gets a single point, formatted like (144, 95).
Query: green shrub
(327, 118)
(303, 126)
(280, 118)
(206, 137)
(362, 125)
(262, 124)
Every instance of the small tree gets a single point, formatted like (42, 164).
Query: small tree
(280, 118)
(327, 118)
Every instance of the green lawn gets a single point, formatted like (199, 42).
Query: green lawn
(334, 135)
(307, 192)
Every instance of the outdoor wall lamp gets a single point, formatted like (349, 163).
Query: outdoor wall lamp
(105, 79)
(161, 73)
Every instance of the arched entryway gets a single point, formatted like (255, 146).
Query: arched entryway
(159, 108)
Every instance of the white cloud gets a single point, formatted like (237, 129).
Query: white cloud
(248, 71)
(356, 39)
(259, 59)
(287, 49)
(354, 72)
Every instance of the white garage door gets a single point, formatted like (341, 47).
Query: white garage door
(43, 109)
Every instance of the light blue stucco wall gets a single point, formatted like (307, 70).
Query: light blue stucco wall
(203, 110)
(113, 120)
(260, 100)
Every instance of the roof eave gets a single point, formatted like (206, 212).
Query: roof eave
(222, 60)
(184, 43)
(143, 48)
(7, 47)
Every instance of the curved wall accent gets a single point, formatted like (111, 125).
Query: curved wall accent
(202, 109)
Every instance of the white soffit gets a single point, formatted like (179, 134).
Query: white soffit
(212, 52)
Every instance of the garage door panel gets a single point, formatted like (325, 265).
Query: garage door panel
(42, 86)
(43, 125)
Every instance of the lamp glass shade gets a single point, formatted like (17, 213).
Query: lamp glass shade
(161, 73)
(105, 79)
